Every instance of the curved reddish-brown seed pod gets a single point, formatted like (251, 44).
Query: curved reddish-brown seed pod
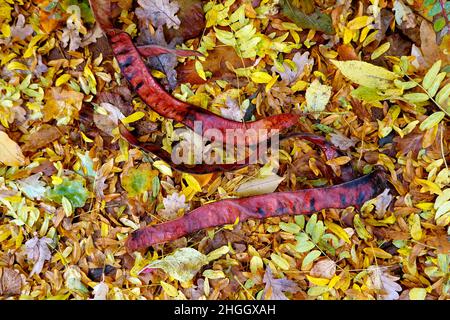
(308, 201)
(327, 148)
(151, 92)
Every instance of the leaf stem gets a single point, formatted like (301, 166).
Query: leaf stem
(425, 90)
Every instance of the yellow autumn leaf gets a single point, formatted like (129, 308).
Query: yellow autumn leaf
(366, 74)
(169, 289)
(428, 186)
(417, 294)
(192, 182)
(415, 227)
(199, 69)
(10, 152)
(16, 66)
(62, 79)
(377, 252)
(337, 230)
(133, 117)
(261, 77)
(85, 138)
(338, 161)
(359, 22)
(378, 52)
(163, 167)
(318, 281)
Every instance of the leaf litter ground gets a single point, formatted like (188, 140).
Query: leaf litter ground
(372, 79)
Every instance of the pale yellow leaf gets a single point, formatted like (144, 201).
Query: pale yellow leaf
(366, 74)
(259, 186)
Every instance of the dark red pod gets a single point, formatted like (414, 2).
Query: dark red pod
(308, 201)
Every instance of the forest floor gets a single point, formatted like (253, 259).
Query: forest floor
(371, 77)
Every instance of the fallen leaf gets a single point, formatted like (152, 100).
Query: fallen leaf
(325, 268)
(159, 12)
(316, 20)
(45, 135)
(10, 152)
(290, 74)
(32, 186)
(385, 283)
(366, 74)
(10, 282)
(37, 250)
(259, 186)
(275, 288)
(181, 265)
(72, 190)
(100, 291)
(138, 180)
(317, 96)
(382, 202)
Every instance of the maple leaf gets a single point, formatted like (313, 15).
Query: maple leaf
(21, 30)
(232, 110)
(172, 206)
(385, 283)
(159, 12)
(289, 74)
(38, 251)
(275, 288)
(32, 186)
(164, 62)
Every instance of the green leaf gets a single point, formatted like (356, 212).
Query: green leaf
(225, 37)
(416, 97)
(311, 224)
(443, 95)
(73, 190)
(309, 259)
(431, 75)
(316, 21)
(280, 261)
(436, 83)
(303, 245)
